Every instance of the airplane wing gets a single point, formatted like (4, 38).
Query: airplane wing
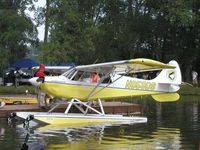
(53, 67)
(58, 69)
(126, 66)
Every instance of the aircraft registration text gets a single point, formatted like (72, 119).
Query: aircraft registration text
(140, 85)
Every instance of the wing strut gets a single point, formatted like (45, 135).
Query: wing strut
(77, 103)
(93, 90)
(92, 93)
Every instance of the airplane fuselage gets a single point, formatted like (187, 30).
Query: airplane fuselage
(124, 87)
(115, 81)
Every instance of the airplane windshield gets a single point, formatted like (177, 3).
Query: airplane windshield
(68, 74)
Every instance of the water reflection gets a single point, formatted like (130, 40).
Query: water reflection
(173, 126)
(117, 137)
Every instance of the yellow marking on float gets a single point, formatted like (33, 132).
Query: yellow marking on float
(75, 121)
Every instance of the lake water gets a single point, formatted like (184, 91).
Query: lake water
(170, 126)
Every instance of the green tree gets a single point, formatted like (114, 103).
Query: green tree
(16, 31)
(107, 30)
(111, 25)
(70, 35)
(171, 32)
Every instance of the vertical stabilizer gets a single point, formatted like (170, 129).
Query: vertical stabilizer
(170, 78)
(168, 82)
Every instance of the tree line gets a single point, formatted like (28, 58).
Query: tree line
(88, 31)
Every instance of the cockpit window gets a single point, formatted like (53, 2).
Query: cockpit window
(84, 76)
(143, 75)
(78, 76)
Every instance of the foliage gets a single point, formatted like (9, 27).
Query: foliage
(16, 31)
(187, 90)
(70, 35)
(105, 30)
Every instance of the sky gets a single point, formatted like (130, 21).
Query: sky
(40, 3)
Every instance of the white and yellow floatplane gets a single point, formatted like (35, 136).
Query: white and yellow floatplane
(116, 79)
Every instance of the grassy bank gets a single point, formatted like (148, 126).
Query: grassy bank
(189, 91)
(11, 90)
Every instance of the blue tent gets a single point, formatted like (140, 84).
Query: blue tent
(24, 63)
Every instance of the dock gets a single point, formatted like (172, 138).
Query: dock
(111, 107)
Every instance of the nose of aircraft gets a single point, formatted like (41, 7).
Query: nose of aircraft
(34, 81)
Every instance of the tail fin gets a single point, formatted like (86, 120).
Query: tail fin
(170, 77)
(168, 81)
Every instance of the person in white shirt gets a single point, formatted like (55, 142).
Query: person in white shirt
(194, 78)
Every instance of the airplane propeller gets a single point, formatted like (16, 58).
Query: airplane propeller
(40, 79)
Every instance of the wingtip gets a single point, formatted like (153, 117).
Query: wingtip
(150, 62)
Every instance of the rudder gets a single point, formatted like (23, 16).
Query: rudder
(170, 76)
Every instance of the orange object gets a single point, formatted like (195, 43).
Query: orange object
(95, 78)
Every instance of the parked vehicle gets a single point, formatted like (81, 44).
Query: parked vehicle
(18, 76)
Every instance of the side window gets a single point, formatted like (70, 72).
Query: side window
(82, 76)
(77, 76)
(89, 77)
(86, 77)
(107, 80)
(144, 75)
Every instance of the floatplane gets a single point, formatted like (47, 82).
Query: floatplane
(117, 79)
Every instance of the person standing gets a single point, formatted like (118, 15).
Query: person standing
(2, 104)
(195, 78)
(40, 72)
(41, 97)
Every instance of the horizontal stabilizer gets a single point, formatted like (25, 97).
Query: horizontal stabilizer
(166, 97)
(186, 84)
